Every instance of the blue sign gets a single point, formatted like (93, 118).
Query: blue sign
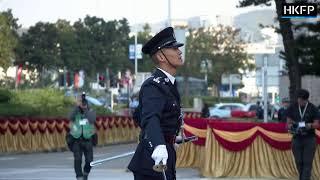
(132, 51)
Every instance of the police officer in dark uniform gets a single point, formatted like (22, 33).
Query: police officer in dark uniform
(282, 112)
(159, 110)
(303, 118)
(259, 111)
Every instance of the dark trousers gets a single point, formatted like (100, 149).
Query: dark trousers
(303, 148)
(142, 163)
(138, 176)
(79, 148)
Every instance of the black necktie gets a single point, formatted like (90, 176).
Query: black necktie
(175, 84)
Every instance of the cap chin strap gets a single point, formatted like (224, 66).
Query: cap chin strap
(168, 60)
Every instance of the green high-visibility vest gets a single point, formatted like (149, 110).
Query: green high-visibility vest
(81, 126)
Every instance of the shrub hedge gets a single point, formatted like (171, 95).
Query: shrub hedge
(5, 95)
(38, 102)
(53, 103)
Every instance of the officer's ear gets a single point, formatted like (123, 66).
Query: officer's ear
(159, 57)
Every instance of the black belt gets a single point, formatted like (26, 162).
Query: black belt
(84, 139)
(304, 135)
(170, 139)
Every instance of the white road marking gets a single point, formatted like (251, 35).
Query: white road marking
(7, 158)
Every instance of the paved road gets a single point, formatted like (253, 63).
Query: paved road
(59, 166)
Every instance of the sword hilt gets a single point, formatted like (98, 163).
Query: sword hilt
(160, 167)
(182, 140)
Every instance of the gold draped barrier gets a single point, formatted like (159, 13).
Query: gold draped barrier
(190, 155)
(266, 153)
(258, 160)
(34, 135)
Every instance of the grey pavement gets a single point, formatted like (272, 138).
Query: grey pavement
(59, 166)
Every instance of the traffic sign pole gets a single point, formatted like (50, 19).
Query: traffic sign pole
(135, 53)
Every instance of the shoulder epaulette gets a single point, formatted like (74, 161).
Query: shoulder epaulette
(158, 80)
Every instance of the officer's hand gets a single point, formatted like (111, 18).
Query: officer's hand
(160, 153)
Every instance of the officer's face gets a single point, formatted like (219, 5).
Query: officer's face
(174, 56)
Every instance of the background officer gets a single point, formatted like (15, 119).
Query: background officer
(159, 109)
(282, 113)
(303, 118)
(205, 112)
(82, 129)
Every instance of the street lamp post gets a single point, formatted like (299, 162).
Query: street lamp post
(265, 88)
(169, 12)
(232, 77)
(205, 68)
(135, 52)
(230, 85)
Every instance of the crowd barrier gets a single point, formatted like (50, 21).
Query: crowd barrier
(224, 149)
(47, 134)
(241, 149)
(30, 134)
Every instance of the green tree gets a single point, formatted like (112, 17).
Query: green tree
(308, 48)
(90, 44)
(290, 48)
(8, 38)
(82, 48)
(119, 50)
(103, 44)
(69, 52)
(145, 64)
(39, 47)
(221, 46)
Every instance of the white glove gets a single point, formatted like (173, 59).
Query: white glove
(160, 153)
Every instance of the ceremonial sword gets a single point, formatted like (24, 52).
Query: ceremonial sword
(101, 161)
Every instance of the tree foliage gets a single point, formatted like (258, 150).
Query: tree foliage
(68, 49)
(302, 47)
(308, 45)
(8, 38)
(105, 44)
(39, 47)
(91, 44)
(220, 45)
(145, 64)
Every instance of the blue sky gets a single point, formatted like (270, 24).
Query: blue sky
(136, 11)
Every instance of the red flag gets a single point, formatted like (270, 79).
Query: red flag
(76, 80)
(19, 72)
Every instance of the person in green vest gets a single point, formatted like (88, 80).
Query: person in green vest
(82, 129)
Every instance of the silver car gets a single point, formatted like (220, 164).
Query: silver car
(223, 110)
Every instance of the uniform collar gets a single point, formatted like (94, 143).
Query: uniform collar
(172, 79)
